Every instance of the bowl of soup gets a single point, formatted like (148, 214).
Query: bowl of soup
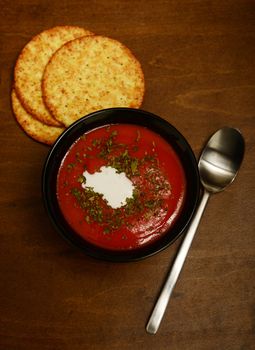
(121, 184)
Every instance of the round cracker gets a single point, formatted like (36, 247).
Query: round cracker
(31, 63)
(91, 73)
(32, 127)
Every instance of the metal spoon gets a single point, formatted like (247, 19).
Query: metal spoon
(218, 166)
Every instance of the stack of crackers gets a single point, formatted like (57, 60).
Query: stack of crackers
(67, 72)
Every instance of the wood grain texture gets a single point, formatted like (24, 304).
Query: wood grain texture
(198, 60)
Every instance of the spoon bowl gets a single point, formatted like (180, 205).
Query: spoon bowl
(218, 167)
(221, 159)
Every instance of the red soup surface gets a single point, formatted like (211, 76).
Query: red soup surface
(146, 162)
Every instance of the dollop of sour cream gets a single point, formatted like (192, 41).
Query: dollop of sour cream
(115, 187)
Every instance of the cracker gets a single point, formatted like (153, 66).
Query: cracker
(30, 65)
(91, 73)
(32, 127)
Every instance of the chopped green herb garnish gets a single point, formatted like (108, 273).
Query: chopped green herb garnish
(70, 166)
(96, 142)
(134, 165)
(122, 157)
(81, 179)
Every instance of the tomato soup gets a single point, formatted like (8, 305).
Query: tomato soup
(121, 186)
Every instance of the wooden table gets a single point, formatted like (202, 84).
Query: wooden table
(198, 60)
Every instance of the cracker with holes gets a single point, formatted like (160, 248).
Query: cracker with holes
(32, 127)
(30, 66)
(91, 73)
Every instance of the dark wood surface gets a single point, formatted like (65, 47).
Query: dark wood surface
(198, 60)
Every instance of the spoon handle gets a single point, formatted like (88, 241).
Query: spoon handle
(161, 304)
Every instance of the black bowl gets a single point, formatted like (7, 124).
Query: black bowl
(125, 116)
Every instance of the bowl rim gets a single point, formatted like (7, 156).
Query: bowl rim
(117, 115)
